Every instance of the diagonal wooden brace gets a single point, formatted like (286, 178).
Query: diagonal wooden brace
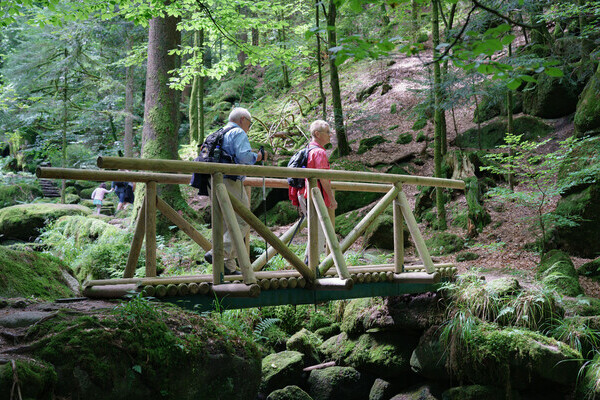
(136, 243)
(271, 238)
(261, 261)
(332, 242)
(185, 226)
(415, 233)
(360, 228)
(235, 232)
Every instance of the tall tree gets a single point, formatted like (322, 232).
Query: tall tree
(319, 69)
(161, 113)
(437, 120)
(334, 81)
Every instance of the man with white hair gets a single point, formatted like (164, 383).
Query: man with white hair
(237, 145)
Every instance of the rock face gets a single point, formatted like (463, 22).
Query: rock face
(131, 352)
(587, 117)
(23, 222)
(550, 97)
(289, 393)
(583, 239)
(335, 383)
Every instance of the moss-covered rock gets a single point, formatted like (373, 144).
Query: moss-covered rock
(587, 116)
(307, 343)
(383, 354)
(29, 274)
(280, 370)
(337, 383)
(36, 380)
(289, 393)
(381, 390)
(23, 222)
(492, 134)
(72, 199)
(357, 314)
(380, 234)
(429, 357)
(445, 243)
(11, 195)
(590, 269)
(503, 286)
(328, 331)
(420, 393)
(550, 97)
(474, 392)
(367, 144)
(515, 358)
(283, 213)
(467, 256)
(556, 270)
(581, 306)
(494, 104)
(141, 350)
(404, 138)
(583, 207)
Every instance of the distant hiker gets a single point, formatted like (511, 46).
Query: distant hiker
(98, 196)
(236, 145)
(317, 158)
(124, 191)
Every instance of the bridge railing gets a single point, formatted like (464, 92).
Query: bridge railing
(225, 207)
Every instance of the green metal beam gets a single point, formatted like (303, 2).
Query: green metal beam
(299, 296)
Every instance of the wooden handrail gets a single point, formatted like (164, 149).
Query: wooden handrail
(267, 171)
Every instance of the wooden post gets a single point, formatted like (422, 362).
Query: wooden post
(415, 233)
(264, 258)
(235, 232)
(398, 235)
(332, 218)
(360, 228)
(312, 243)
(185, 226)
(136, 243)
(270, 237)
(217, 232)
(247, 238)
(151, 229)
(332, 242)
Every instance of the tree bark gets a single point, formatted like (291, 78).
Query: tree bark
(336, 96)
(437, 120)
(193, 105)
(64, 126)
(161, 113)
(320, 72)
(129, 80)
(201, 93)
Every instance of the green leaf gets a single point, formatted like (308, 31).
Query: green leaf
(554, 72)
(137, 368)
(514, 84)
(508, 39)
(528, 78)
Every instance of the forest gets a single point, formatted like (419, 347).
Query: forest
(499, 99)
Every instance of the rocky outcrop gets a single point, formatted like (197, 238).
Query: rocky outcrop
(557, 271)
(280, 370)
(338, 383)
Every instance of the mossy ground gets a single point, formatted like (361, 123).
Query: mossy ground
(21, 193)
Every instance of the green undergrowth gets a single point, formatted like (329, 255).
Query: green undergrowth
(32, 274)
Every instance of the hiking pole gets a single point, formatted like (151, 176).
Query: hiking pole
(296, 230)
(261, 150)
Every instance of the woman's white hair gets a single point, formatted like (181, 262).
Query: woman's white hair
(237, 113)
(318, 126)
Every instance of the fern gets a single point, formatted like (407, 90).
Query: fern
(262, 326)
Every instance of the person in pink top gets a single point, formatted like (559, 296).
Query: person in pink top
(98, 196)
(317, 158)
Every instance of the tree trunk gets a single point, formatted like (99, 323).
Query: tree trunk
(129, 80)
(161, 114)
(510, 126)
(336, 96)
(193, 104)
(414, 18)
(201, 93)
(284, 67)
(437, 119)
(65, 122)
(320, 72)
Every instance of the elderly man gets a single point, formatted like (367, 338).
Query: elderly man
(236, 144)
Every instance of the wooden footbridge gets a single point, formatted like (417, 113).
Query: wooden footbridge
(303, 283)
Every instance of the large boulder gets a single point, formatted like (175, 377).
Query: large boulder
(474, 392)
(583, 207)
(24, 221)
(37, 379)
(381, 390)
(280, 370)
(140, 350)
(587, 116)
(307, 343)
(335, 383)
(21, 193)
(557, 271)
(516, 357)
(429, 357)
(289, 393)
(31, 274)
(383, 354)
(550, 97)
(493, 133)
(420, 393)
